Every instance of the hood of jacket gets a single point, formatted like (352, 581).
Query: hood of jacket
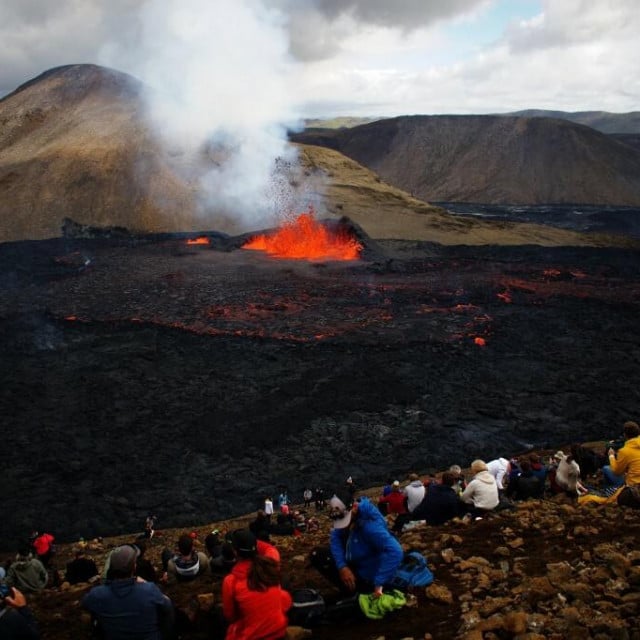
(633, 443)
(485, 476)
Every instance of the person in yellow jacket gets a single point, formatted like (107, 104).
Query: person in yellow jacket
(626, 464)
(627, 461)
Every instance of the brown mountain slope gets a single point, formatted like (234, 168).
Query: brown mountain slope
(492, 159)
(73, 143)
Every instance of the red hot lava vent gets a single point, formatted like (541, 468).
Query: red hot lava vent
(307, 239)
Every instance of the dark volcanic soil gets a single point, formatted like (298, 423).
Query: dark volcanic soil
(143, 375)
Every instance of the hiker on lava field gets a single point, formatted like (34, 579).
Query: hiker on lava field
(525, 484)
(415, 492)
(363, 555)
(481, 494)
(500, 468)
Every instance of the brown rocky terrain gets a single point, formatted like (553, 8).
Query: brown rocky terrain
(492, 159)
(549, 569)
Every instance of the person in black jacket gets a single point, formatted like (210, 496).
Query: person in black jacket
(526, 484)
(81, 569)
(16, 619)
(440, 504)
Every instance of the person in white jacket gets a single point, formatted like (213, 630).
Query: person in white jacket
(414, 491)
(499, 468)
(482, 491)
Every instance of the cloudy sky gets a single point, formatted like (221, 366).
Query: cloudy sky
(347, 57)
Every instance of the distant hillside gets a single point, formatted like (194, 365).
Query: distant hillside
(631, 139)
(337, 123)
(492, 159)
(603, 121)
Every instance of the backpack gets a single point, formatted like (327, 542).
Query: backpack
(412, 572)
(307, 609)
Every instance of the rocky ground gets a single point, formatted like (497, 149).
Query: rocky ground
(547, 569)
(143, 375)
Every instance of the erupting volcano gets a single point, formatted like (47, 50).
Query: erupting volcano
(307, 239)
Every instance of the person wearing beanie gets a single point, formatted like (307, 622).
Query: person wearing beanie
(127, 606)
(481, 494)
(254, 604)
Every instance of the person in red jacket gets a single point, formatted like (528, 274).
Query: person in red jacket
(253, 602)
(396, 501)
(43, 546)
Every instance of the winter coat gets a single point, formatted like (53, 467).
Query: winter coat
(567, 475)
(439, 505)
(27, 574)
(627, 461)
(180, 569)
(482, 491)
(367, 547)
(415, 492)
(499, 469)
(129, 609)
(254, 614)
(18, 624)
(397, 502)
(524, 486)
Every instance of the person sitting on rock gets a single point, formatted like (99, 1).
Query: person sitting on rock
(362, 556)
(460, 484)
(538, 469)
(440, 504)
(81, 568)
(27, 573)
(415, 492)
(127, 606)
(17, 621)
(253, 602)
(525, 484)
(144, 567)
(185, 565)
(261, 526)
(481, 494)
(567, 476)
(624, 466)
(500, 468)
(396, 501)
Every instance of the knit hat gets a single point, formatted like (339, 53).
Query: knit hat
(339, 513)
(123, 558)
(244, 542)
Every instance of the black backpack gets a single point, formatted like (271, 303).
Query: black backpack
(307, 609)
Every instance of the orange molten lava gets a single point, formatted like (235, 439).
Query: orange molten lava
(199, 240)
(307, 239)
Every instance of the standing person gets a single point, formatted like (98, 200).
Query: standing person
(624, 466)
(253, 602)
(126, 606)
(363, 556)
(396, 501)
(268, 508)
(308, 497)
(17, 622)
(482, 492)
(318, 496)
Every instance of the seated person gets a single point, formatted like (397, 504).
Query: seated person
(185, 565)
(27, 573)
(253, 601)
(567, 476)
(213, 544)
(396, 501)
(144, 568)
(500, 469)
(525, 484)
(126, 606)
(261, 526)
(43, 546)
(624, 466)
(460, 484)
(17, 622)
(481, 494)
(440, 504)
(81, 568)
(363, 555)
(538, 468)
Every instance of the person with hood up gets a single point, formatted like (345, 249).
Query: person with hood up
(482, 492)
(414, 491)
(364, 556)
(567, 476)
(126, 606)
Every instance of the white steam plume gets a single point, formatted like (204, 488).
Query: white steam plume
(223, 96)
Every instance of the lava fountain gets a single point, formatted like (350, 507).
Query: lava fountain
(307, 239)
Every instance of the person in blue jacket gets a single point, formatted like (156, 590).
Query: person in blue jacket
(363, 556)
